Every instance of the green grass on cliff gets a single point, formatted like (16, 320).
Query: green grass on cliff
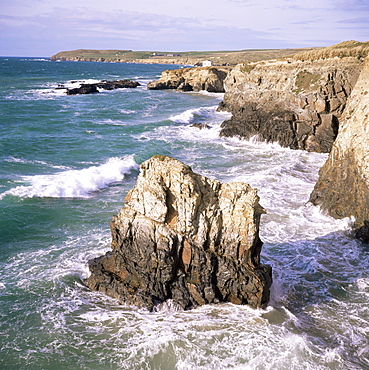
(190, 57)
(344, 49)
(305, 81)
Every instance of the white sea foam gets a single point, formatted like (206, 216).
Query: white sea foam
(12, 159)
(75, 183)
(127, 111)
(190, 115)
(220, 96)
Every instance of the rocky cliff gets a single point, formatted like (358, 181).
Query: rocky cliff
(185, 238)
(343, 186)
(192, 79)
(296, 103)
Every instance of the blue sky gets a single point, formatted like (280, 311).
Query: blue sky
(45, 27)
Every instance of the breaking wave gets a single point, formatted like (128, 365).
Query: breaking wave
(75, 183)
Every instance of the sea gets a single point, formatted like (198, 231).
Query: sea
(67, 163)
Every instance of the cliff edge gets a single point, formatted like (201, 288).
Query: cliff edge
(185, 238)
(295, 103)
(343, 186)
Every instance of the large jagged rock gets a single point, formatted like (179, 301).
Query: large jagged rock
(185, 238)
(192, 79)
(295, 103)
(343, 185)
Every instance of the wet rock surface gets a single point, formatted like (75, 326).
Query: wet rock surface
(184, 238)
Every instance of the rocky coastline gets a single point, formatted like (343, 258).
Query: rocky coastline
(185, 239)
(343, 186)
(295, 103)
(312, 105)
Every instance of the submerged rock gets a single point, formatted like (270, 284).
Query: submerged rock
(185, 238)
(343, 186)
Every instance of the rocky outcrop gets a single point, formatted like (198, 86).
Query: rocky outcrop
(185, 238)
(296, 103)
(343, 185)
(82, 89)
(192, 79)
(106, 85)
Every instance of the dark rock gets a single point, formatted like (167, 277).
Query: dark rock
(200, 126)
(362, 232)
(120, 84)
(106, 85)
(83, 89)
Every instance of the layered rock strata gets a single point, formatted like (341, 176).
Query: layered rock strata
(192, 79)
(343, 185)
(295, 103)
(185, 238)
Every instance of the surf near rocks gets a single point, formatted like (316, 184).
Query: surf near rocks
(91, 88)
(184, 238)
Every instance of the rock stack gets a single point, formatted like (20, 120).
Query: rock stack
(185, 238)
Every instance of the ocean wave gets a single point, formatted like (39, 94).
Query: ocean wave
(214, 94)
(75, 183)
(190, 115)
(12, 159)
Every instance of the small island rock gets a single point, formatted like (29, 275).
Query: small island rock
(185, 238)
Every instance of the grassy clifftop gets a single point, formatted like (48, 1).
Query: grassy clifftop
(343, 49)
(191, 57)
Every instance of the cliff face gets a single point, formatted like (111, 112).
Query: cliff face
(184, 237)
(343, 186)
(192, 79)
(296, 103)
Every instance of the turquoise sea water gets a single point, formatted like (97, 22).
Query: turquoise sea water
(67, 163)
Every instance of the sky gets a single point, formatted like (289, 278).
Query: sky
(41, 28)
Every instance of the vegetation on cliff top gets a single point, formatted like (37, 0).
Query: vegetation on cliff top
(343, 49)
(190, 57)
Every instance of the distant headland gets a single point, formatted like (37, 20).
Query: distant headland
(189, 58)
(343, 49)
